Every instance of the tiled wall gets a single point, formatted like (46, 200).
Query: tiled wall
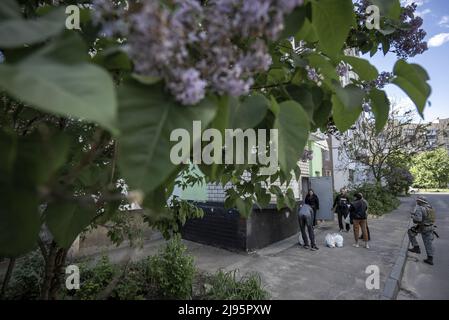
(216, 193)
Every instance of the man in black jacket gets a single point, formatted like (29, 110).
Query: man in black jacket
(313, 201)
(341, 207)
(359, 217)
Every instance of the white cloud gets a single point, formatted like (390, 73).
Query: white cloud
(423, 13)
(417, 2)
(438, 40)
(444, 22)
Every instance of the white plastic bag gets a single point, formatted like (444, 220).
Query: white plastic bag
(330, 241)
(348, 219)
(338, 238)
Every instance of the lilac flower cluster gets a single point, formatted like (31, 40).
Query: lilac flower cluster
(313, 75)
(408, 40)
(382, 80)
(219, 46)
(342, 69)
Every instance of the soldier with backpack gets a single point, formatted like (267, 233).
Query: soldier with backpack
(424, 218)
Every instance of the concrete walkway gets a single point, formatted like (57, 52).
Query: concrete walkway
(291, 272)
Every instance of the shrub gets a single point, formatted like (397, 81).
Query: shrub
(135, 282)
(225, 286)
(95, 279)
(173, 270)
(27, 277)
(399, 180)
(380, 199)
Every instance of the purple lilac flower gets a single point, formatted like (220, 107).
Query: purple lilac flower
(342, 70)
(313, 75)
(190, 88)
(191, 46)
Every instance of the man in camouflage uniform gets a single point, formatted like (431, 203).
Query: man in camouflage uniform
(424, 225)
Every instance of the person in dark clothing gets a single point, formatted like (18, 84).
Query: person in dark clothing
(359, 215)
(313, 201)
(341, 207)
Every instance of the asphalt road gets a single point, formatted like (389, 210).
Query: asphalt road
(421, 281)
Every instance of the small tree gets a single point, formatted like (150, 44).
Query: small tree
(431, 169)
(378, 150)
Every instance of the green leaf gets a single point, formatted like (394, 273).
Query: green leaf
(332, 21)
(277, 76)
(263, 197)
(69, 48)
(147, 116)
(365, 70)
(67, 220)
(8, 146)
(347, 106)
(18, 32)
(9, 9)
(19, 222)
(148, 80)
(245, 207)
(307, 32)
(381, 107)
(322, 114)
(309, 97)
(20, 166)
(250, 112)
(293, 127)
(115, 60)
(294, 21)
(290, 200)
(81, 91)
(412, 79)
(225, 107)
(388, 8)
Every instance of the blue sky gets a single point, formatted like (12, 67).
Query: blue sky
(435, 14)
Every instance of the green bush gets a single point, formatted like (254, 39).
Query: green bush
(135, 283)
(27, 277)
(95, 279)
(225, 286)
(173, 270)
(380, 199)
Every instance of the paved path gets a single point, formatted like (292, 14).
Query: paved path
(290, 272)
(421, 281)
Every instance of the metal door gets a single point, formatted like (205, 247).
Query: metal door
(323, 189)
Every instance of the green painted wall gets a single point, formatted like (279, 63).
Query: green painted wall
(316, 165)
(197, 192)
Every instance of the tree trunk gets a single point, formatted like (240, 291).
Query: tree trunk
(54, 261)
(12, 262)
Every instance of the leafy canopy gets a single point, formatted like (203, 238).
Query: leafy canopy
(75, 118)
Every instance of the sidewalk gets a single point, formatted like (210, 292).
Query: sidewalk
(290, 272)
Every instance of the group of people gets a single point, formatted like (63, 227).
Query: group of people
(355, 212)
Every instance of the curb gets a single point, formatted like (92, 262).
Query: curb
(393, 283)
